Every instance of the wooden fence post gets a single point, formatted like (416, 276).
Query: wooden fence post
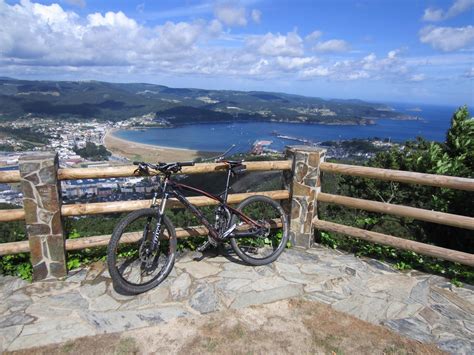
(304, 183)
(42, 204)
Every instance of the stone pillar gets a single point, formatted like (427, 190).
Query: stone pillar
(303, 182)
(42, 204)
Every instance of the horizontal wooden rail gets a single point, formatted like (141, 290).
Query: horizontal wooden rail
(7, 176)
(103, 240)
(399, 243)
(97, 241)
(410, 177)
(12, 215)
(127, 206)
(404, 211)
(123, 171)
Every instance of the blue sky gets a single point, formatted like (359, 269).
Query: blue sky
(379, 50)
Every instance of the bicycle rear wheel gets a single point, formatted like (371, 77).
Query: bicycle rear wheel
(264, 246)
(133, 265)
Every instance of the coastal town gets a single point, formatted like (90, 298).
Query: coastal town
(66, 138)
(70, 138)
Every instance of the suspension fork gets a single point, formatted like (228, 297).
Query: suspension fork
(156, 233)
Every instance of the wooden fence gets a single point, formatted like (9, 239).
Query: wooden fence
(39, 176)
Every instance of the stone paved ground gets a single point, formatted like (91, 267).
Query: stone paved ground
(423, 307)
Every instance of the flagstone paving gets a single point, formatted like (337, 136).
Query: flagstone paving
(423, 307)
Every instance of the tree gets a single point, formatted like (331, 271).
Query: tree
(93, 152)
(454, 157)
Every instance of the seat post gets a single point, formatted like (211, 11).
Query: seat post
(229, 172)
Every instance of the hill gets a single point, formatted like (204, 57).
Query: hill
(117, 101)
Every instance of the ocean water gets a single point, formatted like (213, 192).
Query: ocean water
(217, 137)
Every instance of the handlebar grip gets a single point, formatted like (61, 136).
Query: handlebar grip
(187, 163)
(136, 163)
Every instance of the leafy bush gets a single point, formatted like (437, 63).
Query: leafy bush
(454, 157)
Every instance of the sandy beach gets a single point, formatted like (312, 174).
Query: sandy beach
(147, 152)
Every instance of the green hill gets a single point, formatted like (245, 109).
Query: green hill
(117, 101)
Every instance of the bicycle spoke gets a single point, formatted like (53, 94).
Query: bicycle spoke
(257, 243)
(138, 260)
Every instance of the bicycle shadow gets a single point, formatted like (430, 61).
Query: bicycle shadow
(221, 250)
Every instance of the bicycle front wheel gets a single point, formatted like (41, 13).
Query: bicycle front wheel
(265, 244)
(134, 264)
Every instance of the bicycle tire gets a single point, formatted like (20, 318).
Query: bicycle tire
(120, 283)
(239, 250)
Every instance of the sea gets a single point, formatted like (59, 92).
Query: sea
(216, 137)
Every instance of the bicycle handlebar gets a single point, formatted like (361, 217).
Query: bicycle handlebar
(163, 167)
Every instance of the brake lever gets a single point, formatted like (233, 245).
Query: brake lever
(142, 170)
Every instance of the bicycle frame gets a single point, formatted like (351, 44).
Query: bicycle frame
(171, 188)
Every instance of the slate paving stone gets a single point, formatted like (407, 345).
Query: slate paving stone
(381, 266)
(51, 332)
(199, 270)
(77, 275)
(452, 312)
(457, 346)
(180, 287)
(383, 283)
(93, 290)
(18, 318)
(320, 297)
(9, 284)
(103, 303)
(424, 307)
(420, 292)
(411, 327)
(267, 296)
(8, 335)
(371, 308)
(110, 322)
(204, 299)
(49, 288)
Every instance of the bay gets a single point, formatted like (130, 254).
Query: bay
(218, 136)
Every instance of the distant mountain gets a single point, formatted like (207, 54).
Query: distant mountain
(112, 101)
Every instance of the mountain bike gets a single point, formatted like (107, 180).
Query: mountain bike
(142, 249)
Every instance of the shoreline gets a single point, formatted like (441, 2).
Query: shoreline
(148, 152)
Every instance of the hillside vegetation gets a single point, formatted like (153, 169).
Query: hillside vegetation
(113, 101)
(454, 157)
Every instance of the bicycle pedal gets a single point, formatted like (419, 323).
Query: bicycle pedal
(203, 247)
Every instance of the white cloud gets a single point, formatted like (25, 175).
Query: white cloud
(447, 38)
(371, 67)
(433, 15)
(333, 45)
(53, 36)
(315, 72)
(457, 8)
(292, 63)
(215, 27)
(393, 54)
(112, 19)
(54, 40)
(256, 15)
(359, 74)
(231, 14)
(271, 44)
(469, 73)
(417, 77)
(313, 36)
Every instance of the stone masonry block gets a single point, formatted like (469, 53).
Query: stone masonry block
(304, 185)
(42, 204)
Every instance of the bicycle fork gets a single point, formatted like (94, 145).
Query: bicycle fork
(155, 242)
